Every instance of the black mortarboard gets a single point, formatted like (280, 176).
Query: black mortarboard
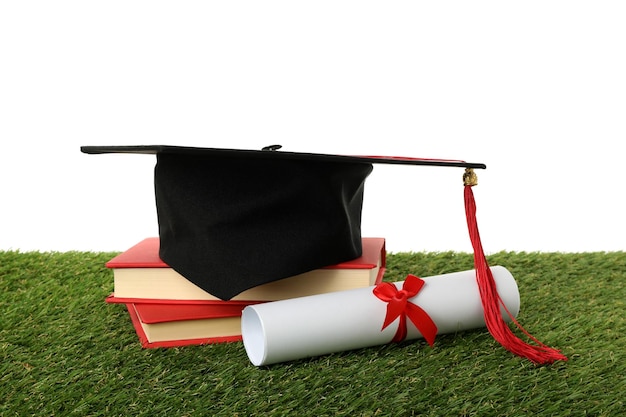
(232, 219)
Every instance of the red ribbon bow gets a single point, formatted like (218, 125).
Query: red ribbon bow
(398, 305)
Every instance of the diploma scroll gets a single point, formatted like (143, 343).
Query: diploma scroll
(303, 327)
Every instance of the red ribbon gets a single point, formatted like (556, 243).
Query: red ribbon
(398, 305)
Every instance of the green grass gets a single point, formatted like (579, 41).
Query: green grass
(65, 352)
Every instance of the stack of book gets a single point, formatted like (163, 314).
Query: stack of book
(167, 310)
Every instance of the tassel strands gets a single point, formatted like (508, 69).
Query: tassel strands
(539, 353)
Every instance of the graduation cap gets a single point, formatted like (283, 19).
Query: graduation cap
(230, 219)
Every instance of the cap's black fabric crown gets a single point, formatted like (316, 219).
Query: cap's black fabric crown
(228, 224)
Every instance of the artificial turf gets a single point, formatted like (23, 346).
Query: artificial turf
(65, 352)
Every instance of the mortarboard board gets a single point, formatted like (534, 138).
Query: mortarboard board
(233, 219)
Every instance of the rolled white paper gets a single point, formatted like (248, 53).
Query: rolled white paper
(302, 327)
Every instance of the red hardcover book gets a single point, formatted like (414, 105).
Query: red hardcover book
(170, 325)
(154, 333)
(141, 276)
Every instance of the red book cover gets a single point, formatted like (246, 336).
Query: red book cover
(145, 254)
(162, 312)
(217, 304)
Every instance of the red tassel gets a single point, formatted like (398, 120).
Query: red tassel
(540, 353)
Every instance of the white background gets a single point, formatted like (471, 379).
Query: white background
(534, 89)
